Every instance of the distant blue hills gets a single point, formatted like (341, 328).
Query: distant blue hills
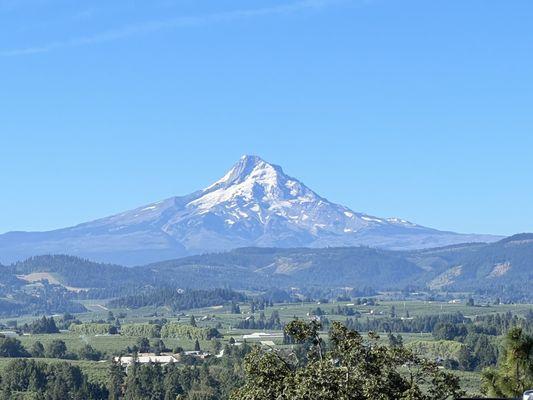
(503, 269)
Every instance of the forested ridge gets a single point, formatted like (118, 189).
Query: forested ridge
(178, 299)
(483, 267)
(53, 283)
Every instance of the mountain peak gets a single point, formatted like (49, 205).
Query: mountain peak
(247, 164)
(249, 167)
(254, 204)
(251, 159)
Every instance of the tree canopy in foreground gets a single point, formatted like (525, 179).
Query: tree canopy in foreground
(514, 373)
(352, 368)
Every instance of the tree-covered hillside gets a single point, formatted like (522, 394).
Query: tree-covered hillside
(502, 269)
(264, 267)
(77, 272)
(178, 299)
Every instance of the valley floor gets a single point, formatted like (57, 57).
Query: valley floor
(228, 322)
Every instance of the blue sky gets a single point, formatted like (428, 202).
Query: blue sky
(416, 109)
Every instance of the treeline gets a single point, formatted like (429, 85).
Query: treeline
(163, 329)
(96, 280)
(141, 330)
(57, 348)
(189, 332)
(480, 337)
(490, 325)
(339, 310)
(39, 299)
(273, 322)
(25, 379)
(419, 324)
(178, 299)
(79, 272)
(319, 293)
(500, 324)
(42, 325)
(212, 379)
(477, 339)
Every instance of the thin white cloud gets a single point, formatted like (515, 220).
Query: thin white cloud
(158, 25)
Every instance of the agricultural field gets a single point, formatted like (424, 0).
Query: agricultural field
(226, 321)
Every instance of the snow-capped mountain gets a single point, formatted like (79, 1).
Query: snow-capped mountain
(254, 204)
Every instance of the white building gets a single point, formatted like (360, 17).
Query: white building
(145, 358)
(262, 336)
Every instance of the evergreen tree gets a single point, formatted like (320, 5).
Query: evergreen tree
(37, 350)
(11, 347)
(172, 382)
(143, 345)
(43, 325)
(235, 309)
(110, 317)
(465, 359)
(87, 352)
(56, 349)
(217, 346)
(115, 381)
(514, 373)
(395, 341)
